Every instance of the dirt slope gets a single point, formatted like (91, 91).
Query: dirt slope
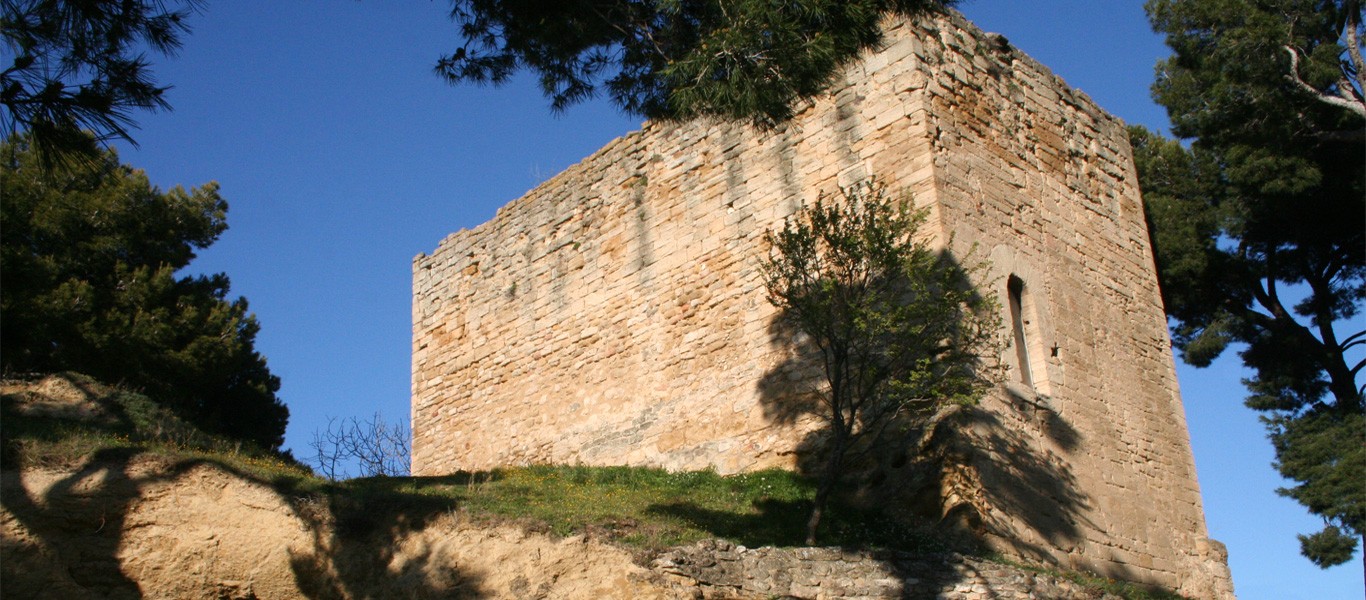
(146, 528)
(128, 524)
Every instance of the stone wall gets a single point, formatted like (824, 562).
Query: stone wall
(614, 314)
(717, 569)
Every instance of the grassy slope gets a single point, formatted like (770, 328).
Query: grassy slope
(642, 508)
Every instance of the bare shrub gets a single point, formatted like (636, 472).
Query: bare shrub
(374, 447)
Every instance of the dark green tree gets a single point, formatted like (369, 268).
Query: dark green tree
(899, 327)
(89, 259)
(79, 66)
(670, 59)
(1259, 227)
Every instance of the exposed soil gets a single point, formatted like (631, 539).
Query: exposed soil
(144, 528)
(123, 524)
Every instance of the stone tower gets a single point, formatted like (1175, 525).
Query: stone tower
(615, 315)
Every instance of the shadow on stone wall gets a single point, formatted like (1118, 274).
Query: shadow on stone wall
(1000, 482)
(972, 474)
(793, 392)
(724, 570)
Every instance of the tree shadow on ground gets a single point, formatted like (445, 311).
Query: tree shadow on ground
(358, 549)
(71, 533)
(773, 522)
(780, 523)
(78, 526)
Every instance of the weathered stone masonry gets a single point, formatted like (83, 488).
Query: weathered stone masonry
(614, 314)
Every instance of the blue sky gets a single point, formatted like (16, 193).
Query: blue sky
(342, 157)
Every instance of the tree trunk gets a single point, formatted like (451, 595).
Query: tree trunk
(1342, 384)
(815, 520)
(827, 485)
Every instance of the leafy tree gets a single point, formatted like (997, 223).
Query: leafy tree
(78, 65)
(670, 59)
(899, 328)
(89, 260)
(1258, 226)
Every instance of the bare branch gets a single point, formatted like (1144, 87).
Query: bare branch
(1356, 106)
(375, 447)
(1354, 340)
(1354, 44)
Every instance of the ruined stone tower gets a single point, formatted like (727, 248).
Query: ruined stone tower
(615, 315)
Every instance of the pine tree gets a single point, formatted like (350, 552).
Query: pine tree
(1258, 226)
(671, 59)
(79, 67)
(89, 261)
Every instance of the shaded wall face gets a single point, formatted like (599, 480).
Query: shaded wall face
(1084, 456)
(615, 315)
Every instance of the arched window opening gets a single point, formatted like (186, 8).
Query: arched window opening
(1018, 325)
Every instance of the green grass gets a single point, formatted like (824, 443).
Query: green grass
(645, 508)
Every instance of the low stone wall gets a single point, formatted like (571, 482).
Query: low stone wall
(718, 569)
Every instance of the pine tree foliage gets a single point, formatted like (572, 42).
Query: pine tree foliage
(1326, 454)
(89, 260)
(80, 65)
(671, 59)
(1259, 225)
(900, 328)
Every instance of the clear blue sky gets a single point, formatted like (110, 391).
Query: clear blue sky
(342, 157)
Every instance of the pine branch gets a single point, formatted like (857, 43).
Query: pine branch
(1354, 105)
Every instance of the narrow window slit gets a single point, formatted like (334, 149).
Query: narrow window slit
(1015, 293)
